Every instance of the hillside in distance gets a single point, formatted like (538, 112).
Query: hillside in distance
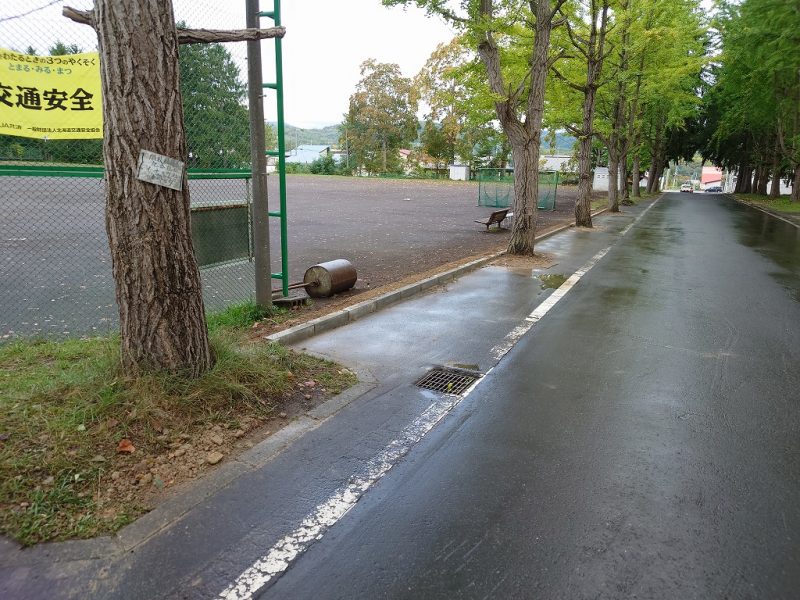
(297, 136)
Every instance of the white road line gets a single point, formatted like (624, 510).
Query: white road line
(503, 348)
(325, 515)
(343, 499)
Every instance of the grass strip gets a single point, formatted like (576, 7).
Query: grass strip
(65, 406)
(782, 204)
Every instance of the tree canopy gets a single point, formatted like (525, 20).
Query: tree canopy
(217, 125)
(752, 110)
(381, 119)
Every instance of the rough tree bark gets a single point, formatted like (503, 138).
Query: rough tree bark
(524, 136)
(741, 175)
(795, 196)
(191, 36)
(775, 188)
(624, 190)
(157, 280)
(763, 179)
(747, 184)
(613, 184)
(593, 50)
(162, 317)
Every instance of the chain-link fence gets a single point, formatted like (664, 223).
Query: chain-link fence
(55, 269)
(496, 188)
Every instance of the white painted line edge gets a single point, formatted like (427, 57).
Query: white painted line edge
(503, 348)
(325, 515)
(314, 526)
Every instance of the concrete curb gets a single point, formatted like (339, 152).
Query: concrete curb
(765, 210)
(352, 313)
(171, 510)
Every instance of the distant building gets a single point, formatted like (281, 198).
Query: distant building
(459, 172)
(710, 177)
(305, 154)
(600, 183)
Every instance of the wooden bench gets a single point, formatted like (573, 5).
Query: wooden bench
(497, 217)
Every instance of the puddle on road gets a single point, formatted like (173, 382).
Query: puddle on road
(552, 281)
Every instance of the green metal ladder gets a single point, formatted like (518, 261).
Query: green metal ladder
(275, 15)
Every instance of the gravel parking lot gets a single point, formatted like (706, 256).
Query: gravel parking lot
(55, 264)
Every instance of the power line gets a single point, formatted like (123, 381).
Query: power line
(30, 12)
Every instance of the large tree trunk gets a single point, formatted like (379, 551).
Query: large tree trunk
(162, 318)
(775, 189)
(526, 194)
(525, 138)
(613, 185)
(651, 176)
(740, 176)
(594, 52)
(795, 197)
(763, 180)
(637, 177)
(583, 203)
(747, 184)
(624, 190)
(662, 165)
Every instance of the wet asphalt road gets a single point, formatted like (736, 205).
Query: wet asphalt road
(641, 442)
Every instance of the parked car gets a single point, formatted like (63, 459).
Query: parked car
(687, 187)
(714, 189)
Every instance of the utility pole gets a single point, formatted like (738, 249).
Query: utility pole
(258, 158)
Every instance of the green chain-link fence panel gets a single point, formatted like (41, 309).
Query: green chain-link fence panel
(496, 188)
(55, 265)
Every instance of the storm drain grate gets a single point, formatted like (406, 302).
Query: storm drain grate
(448, 380)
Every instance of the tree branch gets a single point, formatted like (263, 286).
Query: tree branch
(193, 36)
(556, 9)
(577, 41)
(556, 57)
(574, 86)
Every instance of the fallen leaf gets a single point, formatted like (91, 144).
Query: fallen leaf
(81, 427)
(111, 423)
(125, 445)
(98, 459)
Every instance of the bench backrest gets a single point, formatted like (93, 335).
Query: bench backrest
(498, 216)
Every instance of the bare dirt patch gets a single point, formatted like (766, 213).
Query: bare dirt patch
(527, 263)
(145, 479)
(84, 449)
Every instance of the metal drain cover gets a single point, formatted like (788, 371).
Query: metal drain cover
(448, 380)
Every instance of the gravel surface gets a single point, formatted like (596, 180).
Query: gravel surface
(55, 265)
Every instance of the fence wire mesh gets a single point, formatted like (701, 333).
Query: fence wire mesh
(496, 188)
(55, 271)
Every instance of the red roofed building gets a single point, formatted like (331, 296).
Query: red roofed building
(710, 176)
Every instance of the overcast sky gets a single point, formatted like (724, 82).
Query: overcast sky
(326, 41)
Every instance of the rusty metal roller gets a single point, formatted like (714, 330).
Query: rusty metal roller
(329, 278)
